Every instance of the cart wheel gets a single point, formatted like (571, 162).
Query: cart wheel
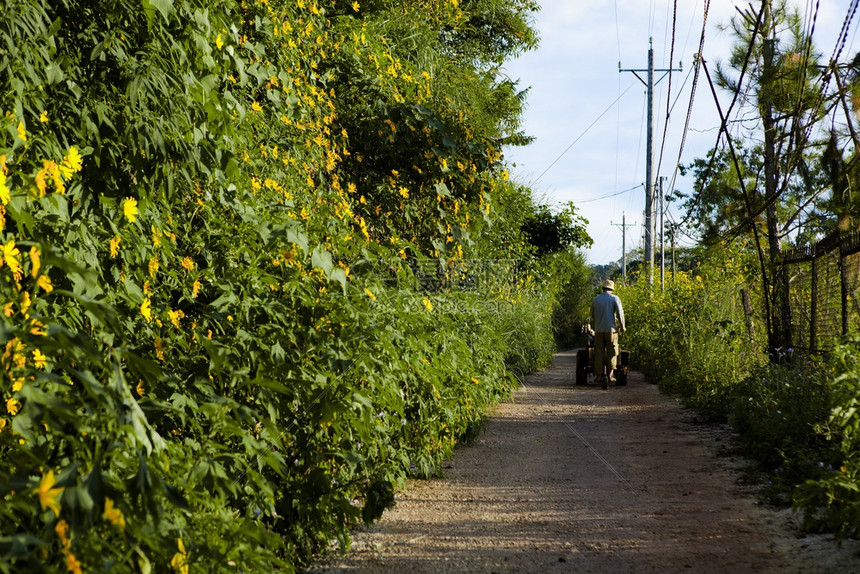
(621, 376)
(582, 367)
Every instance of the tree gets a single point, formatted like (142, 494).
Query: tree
(773, 61)
(550, 232)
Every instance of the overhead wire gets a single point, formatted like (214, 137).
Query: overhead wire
(567, 149)
(614, 194)
(669, 89)
(697, 66)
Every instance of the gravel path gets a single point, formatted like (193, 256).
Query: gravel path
(578, 479)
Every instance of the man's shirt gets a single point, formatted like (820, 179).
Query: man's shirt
(604, 309)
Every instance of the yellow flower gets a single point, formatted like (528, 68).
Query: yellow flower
(35, 260)
(72, 162)
(13, 406)
(195, 289)
(22, 131)
(114, 246)
(426, 302)
(10, 256)
(39, 359)
(256, 107)
(219, 41)
(62, 530)
(175, 316)
(179, 562)
(40, 182)
(72, 564)
(48, 495)
(474, 380)
(129, 208)
(404, 192)
(2, 424)
(113, 514)
(45, 283)
(25, 302)
(37, 328)
(43, 117)
(159, 348)
(355, 6)
(153, 267)
(146, 309)
(5, 194)
(188, 264)
(17, 384)
(370, 294)
(7, 309)
(140, 389)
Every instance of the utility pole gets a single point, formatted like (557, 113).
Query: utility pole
(623, 225)
(649, 161)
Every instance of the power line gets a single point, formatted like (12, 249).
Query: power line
(567, 149)
(724, 119)
(669, 89)
(613, 194)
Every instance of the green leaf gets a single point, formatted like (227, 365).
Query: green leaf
(165, 7)
(321, 259)
(77, 498)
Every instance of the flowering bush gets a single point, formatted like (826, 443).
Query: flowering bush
(694, 338)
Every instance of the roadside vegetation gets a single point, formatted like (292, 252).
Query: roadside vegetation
(759, 326)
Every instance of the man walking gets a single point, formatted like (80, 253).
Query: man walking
(608, 321)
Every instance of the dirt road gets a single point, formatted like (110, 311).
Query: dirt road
(578, 479)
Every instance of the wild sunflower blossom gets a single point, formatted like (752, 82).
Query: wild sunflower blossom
(39, 359)
(146, 309)
(35, 261)
(113, 514)
(48, 495)
(114, 246)
(129, 209)
(179, 562)
(72, 162)
(9, 256)
(175, 316)
(44, 282)
(13, 406)
(5, 194)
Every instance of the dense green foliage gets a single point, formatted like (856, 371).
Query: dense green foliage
(260, 262)
(693, 338)
(830, 495)
(797, 417)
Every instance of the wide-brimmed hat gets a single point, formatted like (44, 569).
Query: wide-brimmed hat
(609, 284)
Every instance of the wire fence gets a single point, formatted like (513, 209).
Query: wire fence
(824, 280)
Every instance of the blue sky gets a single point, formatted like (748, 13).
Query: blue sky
(574, 79)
